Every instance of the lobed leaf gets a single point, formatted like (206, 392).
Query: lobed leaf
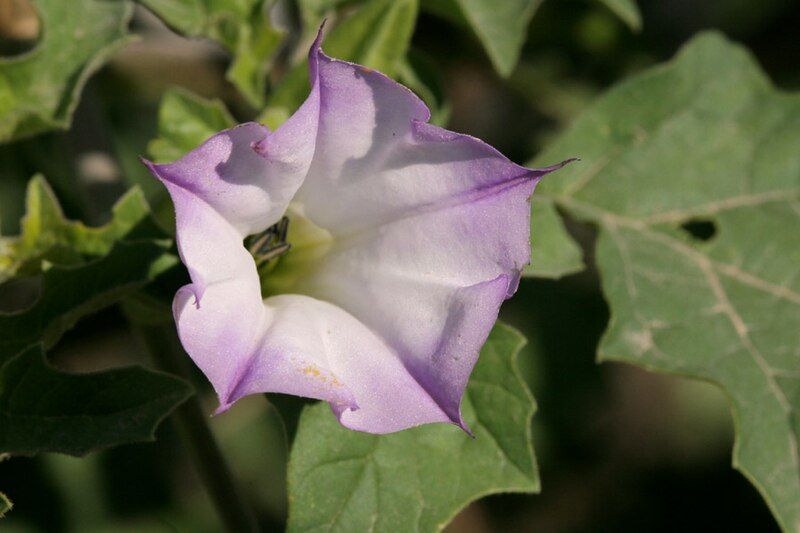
(45, 410)
(39, 90)
(42, 409)
(692, 173)
(47, 236)
(69, 293)
(418, 479)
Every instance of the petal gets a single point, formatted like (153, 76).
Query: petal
(376, 157)
(313, 348)
(247, 174)
(220, 316)
(431, 228)
(431, 284)
(238, 182)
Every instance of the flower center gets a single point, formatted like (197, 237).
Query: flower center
(288, 251)
(270, 244)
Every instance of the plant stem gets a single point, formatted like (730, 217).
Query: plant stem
(234, 511)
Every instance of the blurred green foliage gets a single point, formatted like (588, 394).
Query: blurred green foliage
(243, 27)
(185, 121)
(377, 35)
(46, 236)
(501, 26)
(627, 11)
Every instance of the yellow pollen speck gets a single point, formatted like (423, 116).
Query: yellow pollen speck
(312, 371)
(315, 372)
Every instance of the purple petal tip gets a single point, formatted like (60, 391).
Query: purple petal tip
(557, 166)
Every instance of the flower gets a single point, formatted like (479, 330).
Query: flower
(405, 240)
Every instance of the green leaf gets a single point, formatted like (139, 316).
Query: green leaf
(418, 479)
(82, 269)
(377, 35)
(45, 410)
(501, 27)
(553, 253)
(184, 122)
(626, 10)
(47, 236)
(243, 27)
(39, 90)
(703, 140)
(68, 293)
(42, 409)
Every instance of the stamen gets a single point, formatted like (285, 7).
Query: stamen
(272, 253)
(269, 244)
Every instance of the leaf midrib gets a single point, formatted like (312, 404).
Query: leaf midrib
(609, 218)
(710, 268)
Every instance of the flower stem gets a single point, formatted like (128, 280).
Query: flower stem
(234, 511)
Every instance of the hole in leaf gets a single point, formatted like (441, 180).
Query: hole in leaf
(700, 229)
(20, 27)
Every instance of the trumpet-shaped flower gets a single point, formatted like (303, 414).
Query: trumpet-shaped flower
(357, 254)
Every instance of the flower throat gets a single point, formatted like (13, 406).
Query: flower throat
(288, 251)
(270, 244)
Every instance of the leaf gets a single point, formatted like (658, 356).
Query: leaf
(501, 27)
(185, 121)
(418, 479)
(82, 269)
(47, 235)
(243, 27)
(553, 252)
(68, 293)
(627, 10)
(377, 35)
(702, 143)
(39, 90)
(44, 410)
